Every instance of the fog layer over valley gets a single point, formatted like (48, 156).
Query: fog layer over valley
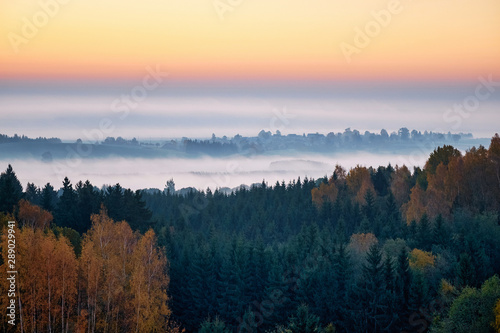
(224, 163)
(200, 172)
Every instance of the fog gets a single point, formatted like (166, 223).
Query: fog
(197, 111)
(175, 112)
(200, 173)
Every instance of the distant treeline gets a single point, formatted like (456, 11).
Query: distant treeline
(16, 138)
(348, 140)
(266, 141)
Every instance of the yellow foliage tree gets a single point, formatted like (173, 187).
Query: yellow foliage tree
(496, 324)
(125, 280)
(47, 279)
(105, 274)
(421, 260)
(149, 283)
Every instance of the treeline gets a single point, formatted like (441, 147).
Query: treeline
(16, 138)
(72, 206)
(364, 250)
(208, 147)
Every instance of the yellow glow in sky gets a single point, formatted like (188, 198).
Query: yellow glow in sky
(251, 39)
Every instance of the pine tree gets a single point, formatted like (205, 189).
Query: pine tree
(424, 233)
(48, 198)
(342, 277)
(303, 321)
(11, 190)
(33, 194)
(88, 204)
(466, 273)
(403, 286)
(214, 326)
(66, 214)
(388, 300)
(113, 200)
(440, 235)
(372, 288)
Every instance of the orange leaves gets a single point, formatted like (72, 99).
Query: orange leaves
(400, 185)
(416, 207)
(33, 216)
(47, 279)
(118, 275)
(359, 182)
(325, 193)
(329, 192)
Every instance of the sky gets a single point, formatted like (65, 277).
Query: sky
(230, 64)
(258, 39)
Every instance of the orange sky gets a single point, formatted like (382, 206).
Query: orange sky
(257, 39)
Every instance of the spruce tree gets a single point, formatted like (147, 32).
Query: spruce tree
(33, 194)
(66, 213)
(11, 190)
(48, 198)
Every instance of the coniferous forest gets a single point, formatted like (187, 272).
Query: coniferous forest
(384, 249)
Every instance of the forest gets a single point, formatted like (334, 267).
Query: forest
(384, 249)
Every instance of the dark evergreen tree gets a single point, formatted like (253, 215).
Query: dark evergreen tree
(402, 288)
(304, 321)
(88, 203)
(371, 291)
(214, 326)
(11, 190)
(113, 200)
(424, 236)
(33, 194)
(440, 234)
(66, 214)
(369, 208)
(48, 198)
(466, 273)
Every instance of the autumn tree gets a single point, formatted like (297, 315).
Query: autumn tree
(497, 316)
(441, 155)
(124, 277)
(479, 173)
(401, 185)
(33, 216)
(325, 193)
(101, 268)
(47, 279)
(149, 283)
(359, 182)
(416, 207)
